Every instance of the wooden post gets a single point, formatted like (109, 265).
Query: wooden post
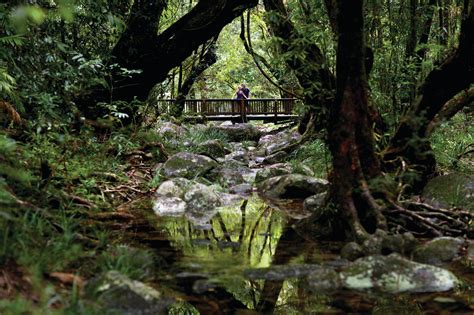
(275, 110)
(243, 111)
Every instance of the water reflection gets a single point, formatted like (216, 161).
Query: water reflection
(216, 254)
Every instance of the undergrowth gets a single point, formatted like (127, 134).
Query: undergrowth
(451, 142)
(45, 229)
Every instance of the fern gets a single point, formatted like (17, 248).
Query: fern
(12, 40)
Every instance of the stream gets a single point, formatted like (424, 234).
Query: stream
(219, 268)
(250, 256)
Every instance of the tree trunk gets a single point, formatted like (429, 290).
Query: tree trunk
(311, 71)
(207, 58)
(410, 141)
(351, 136)
(155, 55)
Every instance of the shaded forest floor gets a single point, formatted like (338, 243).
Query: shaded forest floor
(65, 204)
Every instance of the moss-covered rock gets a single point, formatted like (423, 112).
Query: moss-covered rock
(202, 198)
(292, 186)
(272, 171)
(452, 190)
(439, 250)
(213, 148)
(226, 177)
(240, 132)
(175, 187)
(272, 143)
(187, 165)
(394, 274)
(119, 294)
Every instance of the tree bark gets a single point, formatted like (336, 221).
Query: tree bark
(155, 55)
(410, 141)
(312, 74)
(351, 136)
(207, 58)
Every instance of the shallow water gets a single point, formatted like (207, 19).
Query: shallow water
(210, 267)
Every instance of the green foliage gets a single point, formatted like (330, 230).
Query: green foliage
(135, 263)
(314, 155)
(451, 140)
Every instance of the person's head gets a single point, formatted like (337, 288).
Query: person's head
(242, 86)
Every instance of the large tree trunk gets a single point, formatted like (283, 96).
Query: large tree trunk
(207, 58)
(410, 141)
(311, 71)
(155, 55)
(351, 136)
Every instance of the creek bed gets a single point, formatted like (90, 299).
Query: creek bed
(211, 267)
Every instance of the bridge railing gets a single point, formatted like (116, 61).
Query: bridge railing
(231, 107)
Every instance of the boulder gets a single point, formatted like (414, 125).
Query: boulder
(119, 294)
(313, 203)
(381, 243)
(226, 177)
(187, 165)
(292, 186)
(201, 198)
(240, 156)
(169, 206)
(439, 250)
(213, 148)
(450, 190)
(272, 171)
(394, 274)
(351, 251)
(168, 129)
(174, 187)
(281, 140)
(241, 189)
(274, 158)
(324, 280)
(240, 132)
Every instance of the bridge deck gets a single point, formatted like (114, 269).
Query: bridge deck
(231, 109)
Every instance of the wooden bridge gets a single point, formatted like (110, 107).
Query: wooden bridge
(266, 109)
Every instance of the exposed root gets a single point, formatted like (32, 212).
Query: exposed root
(424, 219)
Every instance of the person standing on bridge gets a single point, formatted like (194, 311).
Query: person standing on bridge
(243, 93)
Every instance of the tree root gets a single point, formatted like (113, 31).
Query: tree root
(420, 218)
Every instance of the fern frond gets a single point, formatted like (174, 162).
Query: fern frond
(12, 40)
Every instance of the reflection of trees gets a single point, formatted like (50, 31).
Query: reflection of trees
(236, 238)
(290, 245)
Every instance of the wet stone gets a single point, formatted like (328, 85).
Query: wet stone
(351, 251)
(272, 171)
(274, 158)
(242, 189)
(168, 129)
(324, 280)
(213, 148)
(121, 295)
(169, 206)
(187, 165)
(240, 132)
(439, 250)
(240, 156)
(174, 187)
(450, 190)
(272, 143)
(226, 177)
(202, 198)
(315, 202)
(281, 272)
(292, 186)
(394, 274)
